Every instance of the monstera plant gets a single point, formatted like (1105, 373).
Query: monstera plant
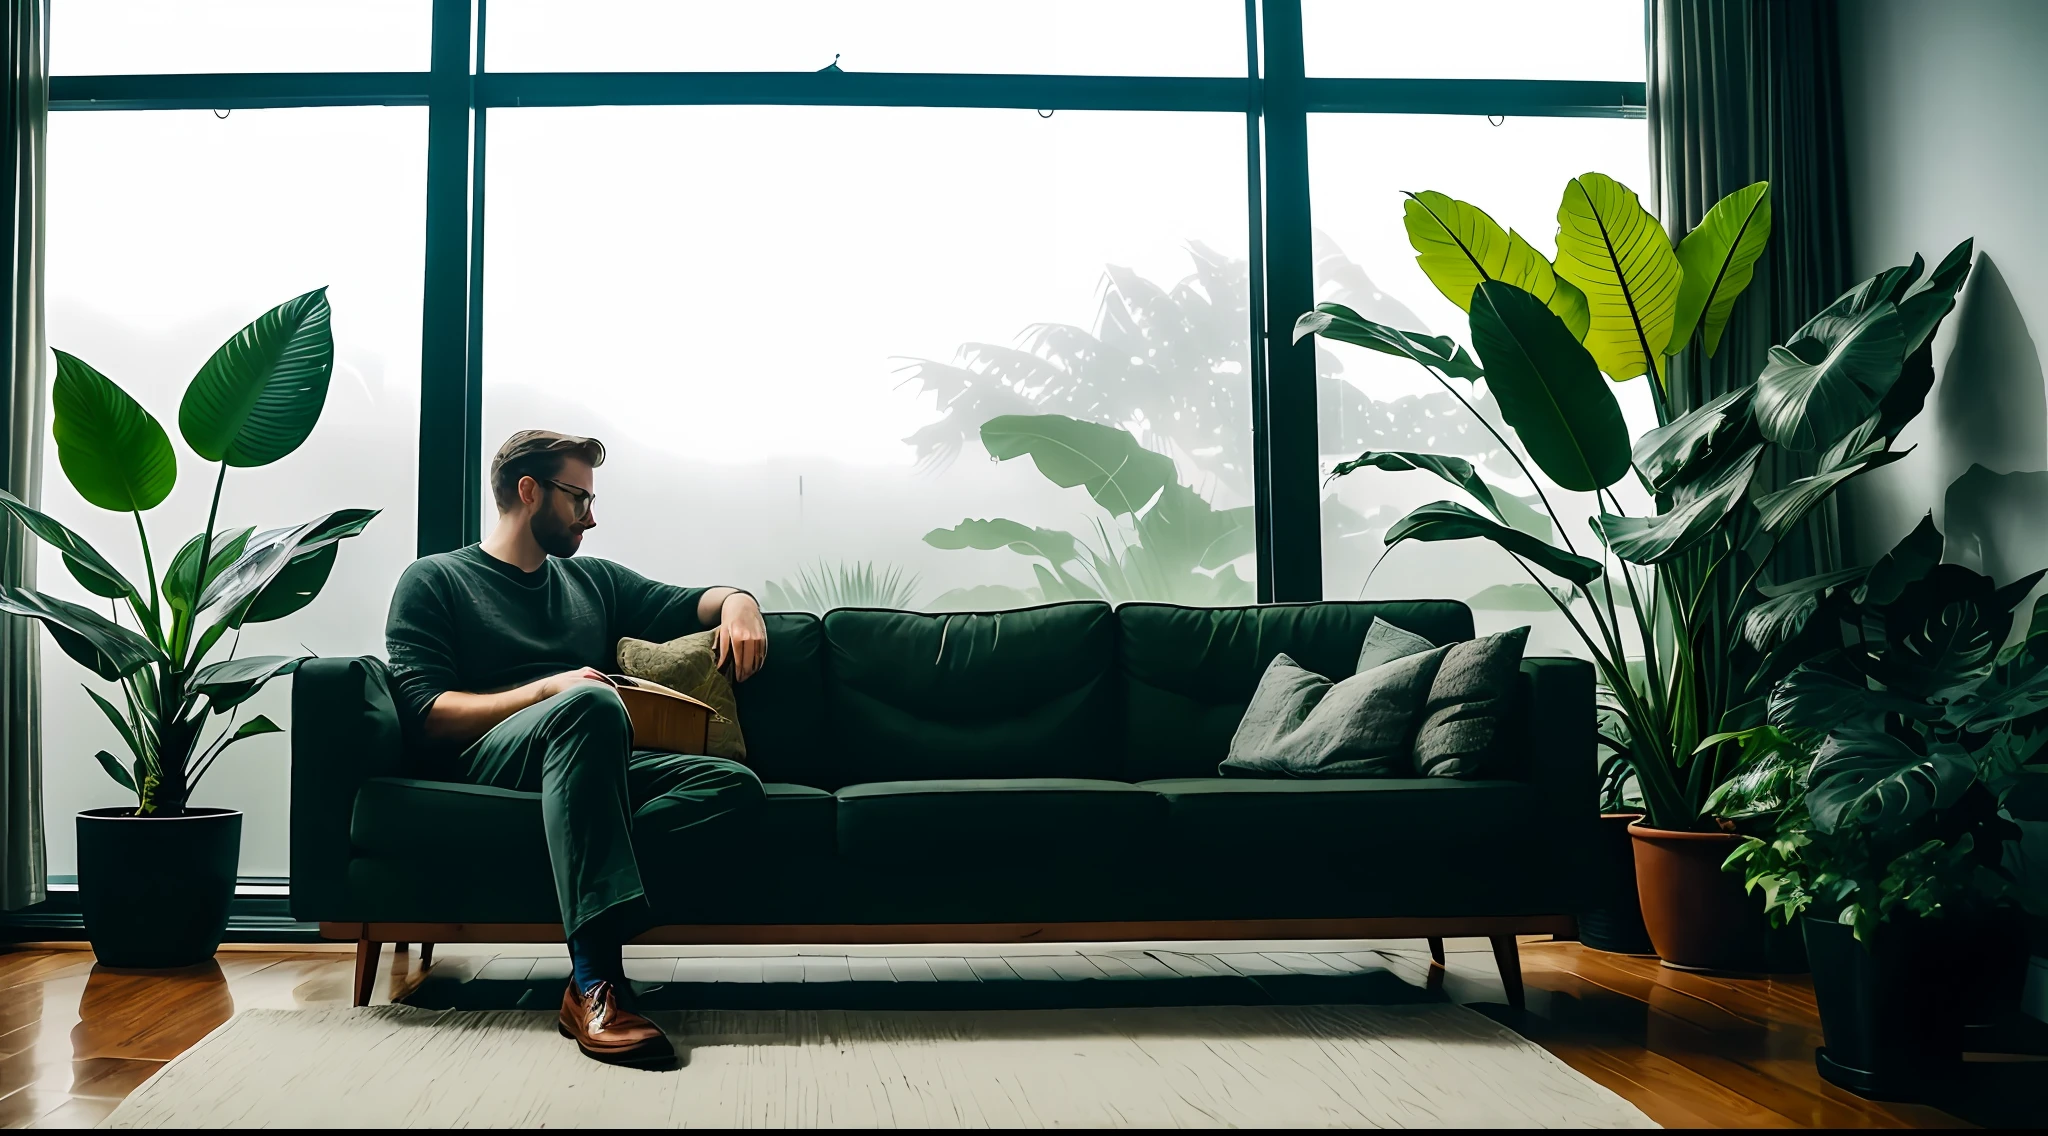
(1895, 759)
(253, 402)
(1658, 594)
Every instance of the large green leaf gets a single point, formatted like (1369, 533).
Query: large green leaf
(1718, 259)
(113, 767)
(1618, 255)
(1182, 532)
(1941, 636)
(120, 722)
(1335, 321)
(1459, 247)
(1869, 777)
(1448, 520)
(1781, 509)
(295, 587)
(1122, 475)
(1922, 308)
(1548, 389)
(1829, 379)
(115, 453)
(87, 566)
(1904, 563)
(230, 595)
(181, 579)
(1675, 449)
(1055, 546)
(97, 643)
(231, 683)
(1507, 508)
(1697, 508)
(261, 393)
(1787, 607)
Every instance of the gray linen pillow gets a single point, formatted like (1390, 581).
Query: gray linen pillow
(1464, 731)
(1385, 642)
(1300, 724)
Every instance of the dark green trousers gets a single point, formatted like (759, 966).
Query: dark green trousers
(606, 805)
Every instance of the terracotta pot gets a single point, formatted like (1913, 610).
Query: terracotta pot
(1614, 922)
(1697, 915)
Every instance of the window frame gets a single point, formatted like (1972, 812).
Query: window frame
(1274, 95)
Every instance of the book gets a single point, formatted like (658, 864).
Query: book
(664, 719)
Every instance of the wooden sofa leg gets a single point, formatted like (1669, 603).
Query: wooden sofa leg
(426, 955)
(1436, 950)
(1508, 957)
(400, 948)
(366, 969)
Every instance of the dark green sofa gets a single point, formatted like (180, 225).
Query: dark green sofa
(1044, 774)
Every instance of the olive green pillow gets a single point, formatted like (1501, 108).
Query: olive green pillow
(1465, 724)
(1300, 724)
(687, 665)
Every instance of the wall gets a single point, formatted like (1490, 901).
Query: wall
(1946, 109)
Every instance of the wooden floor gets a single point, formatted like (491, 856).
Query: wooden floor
(1687, 1049)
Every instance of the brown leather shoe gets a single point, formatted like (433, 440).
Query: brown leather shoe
(608, 1032)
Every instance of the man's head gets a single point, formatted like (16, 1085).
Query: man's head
(546, 478)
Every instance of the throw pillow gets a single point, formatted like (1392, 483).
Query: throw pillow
(1464, 730)
(687, 665)
(1300, 724)
(1385, 642)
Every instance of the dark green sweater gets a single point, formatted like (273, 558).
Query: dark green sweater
(467, 621)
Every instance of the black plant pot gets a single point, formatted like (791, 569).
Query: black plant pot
(1892, 1013)
(155, 890)
(1615, 921)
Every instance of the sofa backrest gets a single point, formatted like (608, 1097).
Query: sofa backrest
(1027, 693)
(782, 707)
(1189, 672)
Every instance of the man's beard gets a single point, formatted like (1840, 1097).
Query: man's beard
(554, 537)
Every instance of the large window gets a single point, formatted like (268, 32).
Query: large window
(792, 348)
(809, 304)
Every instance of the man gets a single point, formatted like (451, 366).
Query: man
(499, 652)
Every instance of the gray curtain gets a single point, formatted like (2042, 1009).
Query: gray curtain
(1743, 91)
(22, 867)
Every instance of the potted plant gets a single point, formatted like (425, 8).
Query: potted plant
(1889, 775)
(1658, 595)
(155, 880)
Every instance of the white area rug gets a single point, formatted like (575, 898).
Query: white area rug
(1244, 1066)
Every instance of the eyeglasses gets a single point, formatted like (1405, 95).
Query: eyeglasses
(580, 499)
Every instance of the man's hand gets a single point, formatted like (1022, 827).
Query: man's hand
(742, 636)
(556, 684)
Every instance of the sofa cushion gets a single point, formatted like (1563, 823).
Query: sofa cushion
(1189, 672)
(1027, 693)
(439, 822)
(1300, 724)
(780, 706)
(1466, 727)
(963, 823)
(1243, 819)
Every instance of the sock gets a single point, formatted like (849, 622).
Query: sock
(593, 960)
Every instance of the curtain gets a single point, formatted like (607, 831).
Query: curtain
(22, 866)
(1742, 91)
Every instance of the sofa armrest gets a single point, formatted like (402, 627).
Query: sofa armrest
(1563, 759)
(344, 731)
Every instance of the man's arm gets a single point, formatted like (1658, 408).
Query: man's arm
(460, 717)
(742, 633)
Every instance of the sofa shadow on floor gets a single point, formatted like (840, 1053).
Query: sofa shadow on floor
(1369, 988)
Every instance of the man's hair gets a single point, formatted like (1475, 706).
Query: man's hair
(538, 454)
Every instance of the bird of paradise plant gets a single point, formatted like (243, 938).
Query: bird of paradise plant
(254, 401)
(1659, 597)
